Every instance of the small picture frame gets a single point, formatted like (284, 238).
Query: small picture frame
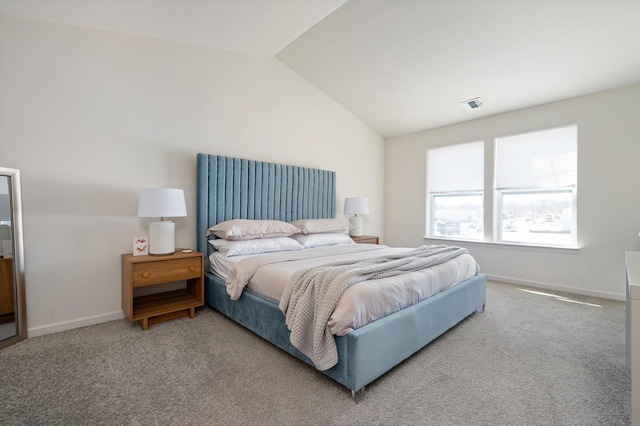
(140, 246)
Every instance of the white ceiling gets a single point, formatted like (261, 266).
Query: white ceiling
(254, 26)
(400, 66)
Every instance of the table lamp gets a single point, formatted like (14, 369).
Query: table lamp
(356, 206)
(162, 202)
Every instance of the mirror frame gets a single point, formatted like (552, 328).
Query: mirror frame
(18, 257)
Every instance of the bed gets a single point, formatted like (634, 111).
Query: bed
(233, 188)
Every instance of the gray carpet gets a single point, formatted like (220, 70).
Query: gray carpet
(530, 359)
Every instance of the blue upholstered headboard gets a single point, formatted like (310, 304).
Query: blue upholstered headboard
(235, 188)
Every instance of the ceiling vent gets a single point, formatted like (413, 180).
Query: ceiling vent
(473, 103)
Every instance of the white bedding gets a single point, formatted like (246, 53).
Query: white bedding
(365, 302)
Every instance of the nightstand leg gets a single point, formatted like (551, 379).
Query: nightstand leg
(192, 313)
(144, 323)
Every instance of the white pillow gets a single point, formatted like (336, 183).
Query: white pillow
(327, 239)
(247, 229)
(321, 226)
(262, 245)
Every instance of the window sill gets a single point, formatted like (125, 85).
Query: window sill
(505, 245)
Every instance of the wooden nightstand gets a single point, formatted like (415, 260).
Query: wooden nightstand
(142, 271)
(366, 239)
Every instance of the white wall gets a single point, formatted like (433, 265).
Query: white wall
(91, 116)
(608, 192)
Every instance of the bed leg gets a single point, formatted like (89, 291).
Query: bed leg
(356, 396)
(480, 309)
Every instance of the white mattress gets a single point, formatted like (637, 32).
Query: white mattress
(362, 303)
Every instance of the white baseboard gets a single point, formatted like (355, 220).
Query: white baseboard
(548, 286)
(69, 325)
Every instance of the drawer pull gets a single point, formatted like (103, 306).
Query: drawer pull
(145, 274)
(192, 268)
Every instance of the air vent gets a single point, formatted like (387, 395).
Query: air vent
(473, 103)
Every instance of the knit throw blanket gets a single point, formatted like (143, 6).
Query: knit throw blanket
(311, 295)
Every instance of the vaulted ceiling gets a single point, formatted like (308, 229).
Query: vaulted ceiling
(400, 66)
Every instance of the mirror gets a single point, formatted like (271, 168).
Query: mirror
(13, 313)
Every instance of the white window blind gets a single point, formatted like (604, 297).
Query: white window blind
(544, 159)
(456, 168)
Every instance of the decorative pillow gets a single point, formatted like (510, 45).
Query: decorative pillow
(246, 229)
(327, 239)
(321, 226)
(262, 245)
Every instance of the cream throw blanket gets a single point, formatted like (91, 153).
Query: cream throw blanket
(311, 295)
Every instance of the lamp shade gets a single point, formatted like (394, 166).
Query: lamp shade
(161, 202)
(356, 205)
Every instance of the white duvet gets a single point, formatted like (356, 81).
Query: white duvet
(365, 302)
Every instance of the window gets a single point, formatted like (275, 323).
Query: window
(536, 178)
(455, 185)
(533, 200)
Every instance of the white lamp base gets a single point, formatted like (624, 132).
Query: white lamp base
(356, 222)
(162, 237)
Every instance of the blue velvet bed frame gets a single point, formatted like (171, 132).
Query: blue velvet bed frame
(232, 188)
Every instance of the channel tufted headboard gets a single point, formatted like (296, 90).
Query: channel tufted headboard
(235, 188)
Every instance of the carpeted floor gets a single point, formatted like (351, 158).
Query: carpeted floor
(530, 359)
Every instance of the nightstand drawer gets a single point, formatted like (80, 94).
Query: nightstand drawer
(149, 273)
(366, 239)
